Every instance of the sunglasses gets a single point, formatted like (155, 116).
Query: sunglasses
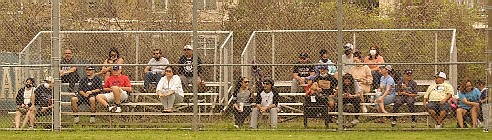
(68, 53)
(156, 53)
(187, 49)
(246, 81)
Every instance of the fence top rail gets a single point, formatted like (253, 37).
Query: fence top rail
(206, 32)
(356, 30)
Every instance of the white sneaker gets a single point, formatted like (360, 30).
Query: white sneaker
(414, 125)
(479, 124)
(438, 126)
(364, 109)
(236, 126)
(393, 123)
(355, 122)
(76, 120)
(118, 110)
(92, 120)
(111, 108)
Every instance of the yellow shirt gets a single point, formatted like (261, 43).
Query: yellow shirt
(437, 92)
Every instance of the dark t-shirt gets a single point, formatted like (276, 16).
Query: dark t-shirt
(43, 96)
(411, 87)
(87, 84)
(188, 70)
(71, 61)
(303, 71)
(332, 81)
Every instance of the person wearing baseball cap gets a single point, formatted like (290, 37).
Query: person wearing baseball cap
(324, 60)
(117, 88)
(436, 97)
(301, 72)
(386, 87)
(89, 87)
(186, 72)
(406, 90)
(266, 102)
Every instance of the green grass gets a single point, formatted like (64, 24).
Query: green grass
(231, 135)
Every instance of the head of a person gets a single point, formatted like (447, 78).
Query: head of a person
(408, 74)
(116, 70)
(348, 48)
(324, 55)
(374, 52)
(358, 58)
(466, 86)
(90, 70)
(268, 84)
(348, 79)
(156, 54)
(386, 69)
(440, 77)
(323, 70)
(303, 57)
(188, 50)
(114, 54)
(481, 84)
(67, 53)
(48, 82)
(243, 82)
(170, 71)
(29, 82)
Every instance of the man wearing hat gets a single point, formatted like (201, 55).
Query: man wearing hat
(325, 61)
(325, 84)
(406, 90)
(300, 72)
(186, 72)
(43, 100)
(89, 88)
(266, 101)
(117, 87)
(436, 97)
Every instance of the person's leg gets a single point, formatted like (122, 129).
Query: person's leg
(396, 107)
(357, 107)
(147, 79)
(27, 117)
(460, 112)
(376, 77)
(32, 117)
(485, 112)
(441, 116)
(432, 112)
(170, 101)
(17, 119)
(243, 115)
(92, 104)
(254, 117)
(411, 107)
(273, 117)
(331, 103)
(474, 113)
(103, 99)
(164, 103)
(236, 116)
(73, 78)
(75, 105)
(294, 86)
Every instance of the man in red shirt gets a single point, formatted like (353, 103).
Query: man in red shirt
(116, 87)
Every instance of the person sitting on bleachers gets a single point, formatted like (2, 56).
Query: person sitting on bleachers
(325, 61)
(69, 74)
(242, 98)
(23, 101)
(362, 74)
(169, 90)
(301, 72)
(351, 94)
(186, 72)
(373, 60)
(113, 58)
(325, 85)
(266, 101)
(89, 88)
(347, 57)
(406, 90)
(469, 101)
(118, 87)
(436, 97)
(154, 73)
(43, 100)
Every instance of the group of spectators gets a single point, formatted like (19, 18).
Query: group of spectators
(33, 99)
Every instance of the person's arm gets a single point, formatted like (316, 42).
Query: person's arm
(275, 101)
(120, 61)
(368, 78)
(176, 85)
(126, 85)
(104, 69)
(160, 86)
(19, 99)
(449, 93)
(464, 100)
(258, 100)
(33, 98)
(426, 95)
(107, 86)
(147, 68)
(413, 85)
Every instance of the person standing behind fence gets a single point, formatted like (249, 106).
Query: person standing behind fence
(469, 101)
(373, 60)
(362, 74)
(113, 58)
(241, 100)
(90, 87)
(154, 73)
(42, 99)
(300, 73)
(406, 92)
(266, 101)
(118, 86)
(436, 99)
(484, 105)
(170, 90)
(186, 72)
(23, 101)
(69, 74)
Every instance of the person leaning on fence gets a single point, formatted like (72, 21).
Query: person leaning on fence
(325, 61)
(325, 85)
(483, 115)
(113, 58)
(373, 60)
(362, 74)
(117, 87)
(186, 72)
(43, 100)
(301, 72)
(89, 88)
(436, 99)
(69, 74)
(386, 93)
(241, 100)
(266, 101)
(468, 101)
(154, 73)
(406, 90)
(169, 90)
(23, 101)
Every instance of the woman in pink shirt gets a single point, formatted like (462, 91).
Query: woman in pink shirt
(374, 58)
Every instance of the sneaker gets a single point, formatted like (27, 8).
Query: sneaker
(414, 125)
(479, 124)
(438, 126)
(364, 109)
(76, 120)
(92, 120)
(355, 122)
(118, 110)
(111, 108)
(236, 126)
(393, 123)
(31, 127)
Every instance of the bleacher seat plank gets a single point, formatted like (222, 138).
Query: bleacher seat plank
(144, 104)
(136, 114)
(386, 114)
(148, 94)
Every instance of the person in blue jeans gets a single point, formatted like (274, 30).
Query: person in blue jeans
(154, 73)
(386, 92)
(468, 101)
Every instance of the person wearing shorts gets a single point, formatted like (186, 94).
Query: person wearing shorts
(90, 86)
(117, 87)
(436, 97)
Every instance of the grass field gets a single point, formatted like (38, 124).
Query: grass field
(240, 135)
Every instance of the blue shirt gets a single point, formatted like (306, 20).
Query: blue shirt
(472, 96)
(388, 81)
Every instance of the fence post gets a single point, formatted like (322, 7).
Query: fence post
(488, 53)
(55, 57)
(339, 64)
(195, 64)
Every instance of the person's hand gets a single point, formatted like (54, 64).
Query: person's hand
(263, 109)
(380, 99)
(32, 107)
(475, 104)
(346, 95)
(239, 110)
(160, 94)
(62, 72)
(302, 81)
(442, 101)
(44, 109)
(23, 106)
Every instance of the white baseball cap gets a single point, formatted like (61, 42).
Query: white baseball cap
(188, 47)
(49, 79)
(440, 74)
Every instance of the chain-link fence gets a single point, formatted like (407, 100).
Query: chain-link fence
(270, 37)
